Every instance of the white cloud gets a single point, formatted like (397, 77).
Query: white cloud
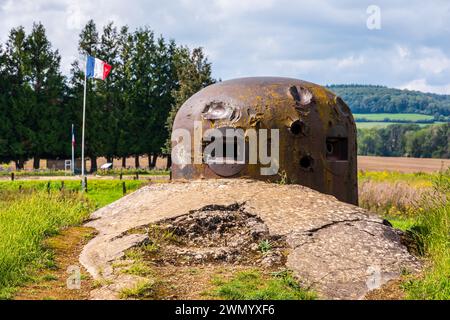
(320, 41)
(422, 85)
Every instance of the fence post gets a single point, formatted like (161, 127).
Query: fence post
(48, 187)
(62, 186)
(124, 188)
(120, 174)
(12, 176)
(85, 184)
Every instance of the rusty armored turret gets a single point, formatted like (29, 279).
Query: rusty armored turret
(316, 134)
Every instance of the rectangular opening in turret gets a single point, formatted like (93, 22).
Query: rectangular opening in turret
(337, 149)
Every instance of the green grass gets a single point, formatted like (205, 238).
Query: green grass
(100, 192)
(129, 172)
(417, 179)
(25, 221)
(31, 211)
(38, 173)
(60, 173)
(382, 120)
(141, 290)
(381, 117)
(433, 231)
(253, 285)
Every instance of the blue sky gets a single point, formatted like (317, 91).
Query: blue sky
(316, 40)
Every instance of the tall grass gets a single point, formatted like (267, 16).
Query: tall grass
(100, 192)
(432, 230)
(25, 220)
(30, 211)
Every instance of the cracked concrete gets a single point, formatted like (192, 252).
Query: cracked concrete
(340, 250)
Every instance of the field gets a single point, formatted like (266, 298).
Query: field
(35, 213)
(379, 125)
(417, 204)
(400, 164)
(382, 120)
(32, 211)
(393, 117)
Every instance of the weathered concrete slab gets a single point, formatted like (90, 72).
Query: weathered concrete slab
(341, 250)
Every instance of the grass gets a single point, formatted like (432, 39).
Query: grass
(132, 172)
(380, 124)
(141, 290)
(417, 204)
(253, 285)
(100, 192)
(417, 179)
(433, 232)
(35, 173)
(31, 211)
(382, 117)
(5, 171)
(265, 246)
(138, 268)
(25, 222)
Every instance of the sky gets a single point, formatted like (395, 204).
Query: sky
(401, 44)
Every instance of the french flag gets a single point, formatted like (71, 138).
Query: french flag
(73, 136)
(96, 68)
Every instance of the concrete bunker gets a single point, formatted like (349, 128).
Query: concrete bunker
(313, 129)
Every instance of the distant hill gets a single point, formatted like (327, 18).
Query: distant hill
(379, 99)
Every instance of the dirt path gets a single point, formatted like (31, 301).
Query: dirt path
(339, 248)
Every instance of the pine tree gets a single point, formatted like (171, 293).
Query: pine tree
(193, 72)
(125, 76)
(5, 128)
(108, 92)
(142, 99)
(87, 45)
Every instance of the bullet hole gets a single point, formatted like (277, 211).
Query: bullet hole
(330, 148)
(306, 162)
(297, 127)
(337, 148)
(302, 96)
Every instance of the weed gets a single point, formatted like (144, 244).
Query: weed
(141, 290)
(265, 246)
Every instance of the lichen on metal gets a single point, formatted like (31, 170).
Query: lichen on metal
(317, 133)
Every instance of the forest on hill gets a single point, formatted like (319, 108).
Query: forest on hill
(379, 99)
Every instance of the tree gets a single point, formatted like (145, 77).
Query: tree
(125, 76)
(108, 93)
(18, 136)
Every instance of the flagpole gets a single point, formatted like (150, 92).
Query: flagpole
(82, 134)
(73, 151)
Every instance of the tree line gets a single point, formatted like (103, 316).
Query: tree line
(379, 99)
(410, 140)
(129, 114)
